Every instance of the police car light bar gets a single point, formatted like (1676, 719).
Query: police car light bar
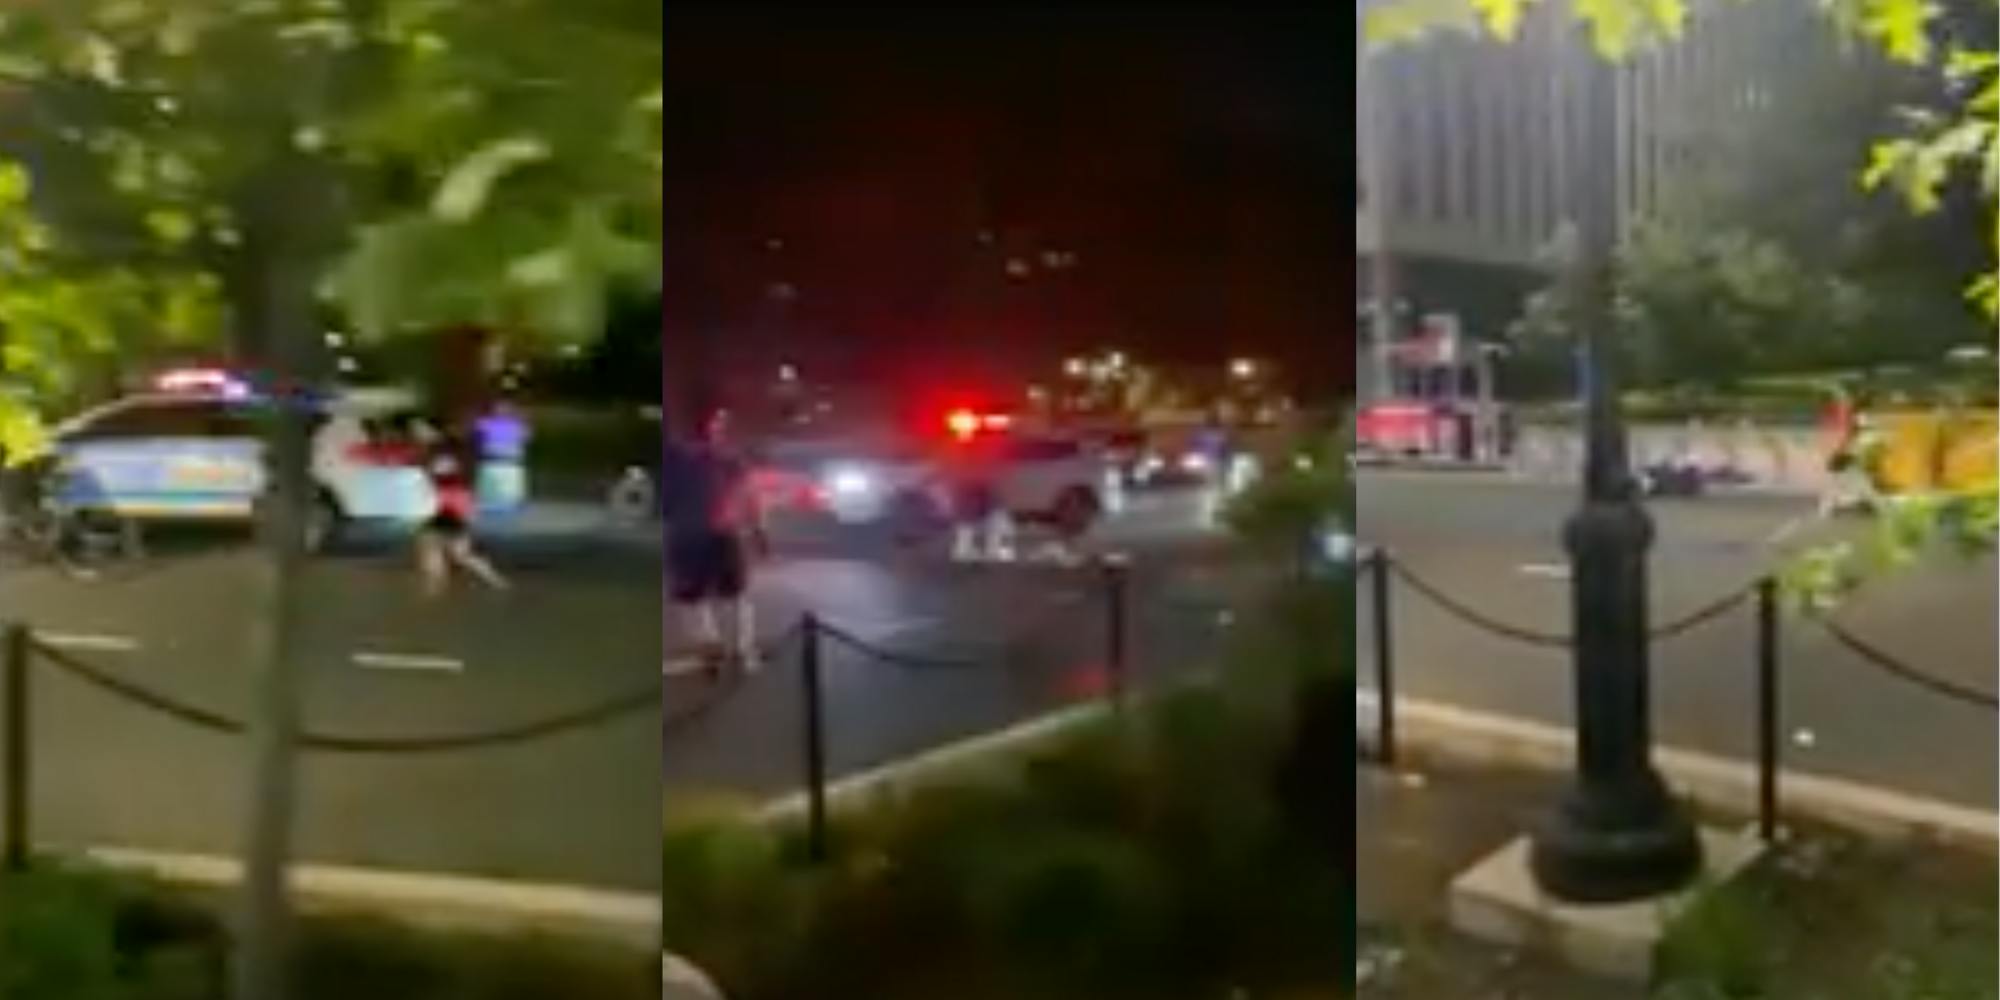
(201, 380)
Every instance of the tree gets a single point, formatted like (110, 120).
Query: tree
(1705, 309)
(413, 161)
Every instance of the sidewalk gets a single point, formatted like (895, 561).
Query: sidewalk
(1815, 921)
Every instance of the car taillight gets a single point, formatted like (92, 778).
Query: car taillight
(371, 453)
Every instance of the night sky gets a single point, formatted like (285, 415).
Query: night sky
(849, 190)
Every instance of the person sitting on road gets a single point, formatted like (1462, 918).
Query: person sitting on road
(712, 526)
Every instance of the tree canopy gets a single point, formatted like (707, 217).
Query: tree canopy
(445, 161)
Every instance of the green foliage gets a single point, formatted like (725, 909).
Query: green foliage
(1708, 308)
(57, 938)
(451, 161)
(86, 935)
(1302, 488)
(1155, 856)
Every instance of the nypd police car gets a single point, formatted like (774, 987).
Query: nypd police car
(191, 450)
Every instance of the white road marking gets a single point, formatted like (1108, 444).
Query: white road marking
(1547, 571)
(89, 642)
(683, 666)
(411, 662)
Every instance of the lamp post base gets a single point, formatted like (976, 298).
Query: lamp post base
(1592, 851)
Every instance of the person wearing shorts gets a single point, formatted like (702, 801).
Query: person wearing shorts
(712, 525)
(446, 539)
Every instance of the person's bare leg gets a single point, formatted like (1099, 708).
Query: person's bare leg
(433, 571)
(472, 562)
(743, 632)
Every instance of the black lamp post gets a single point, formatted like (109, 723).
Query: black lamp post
(1617, 834)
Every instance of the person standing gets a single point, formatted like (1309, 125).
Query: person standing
(713, 527)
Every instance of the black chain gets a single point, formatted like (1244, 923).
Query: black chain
(907, 661)
(1546, 640)
(1903, 671)
(645, 699)
(1552, 640)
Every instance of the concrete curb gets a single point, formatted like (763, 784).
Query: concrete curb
(1444, 732)
(443, 901)
(950, 760)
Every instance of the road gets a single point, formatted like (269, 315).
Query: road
(581, 626)
(1494, 543)
(986, 645)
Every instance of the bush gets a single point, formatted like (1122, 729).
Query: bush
(81, 934)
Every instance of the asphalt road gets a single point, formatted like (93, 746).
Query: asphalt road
(1494, 544)
(580, 627)
(970, 649)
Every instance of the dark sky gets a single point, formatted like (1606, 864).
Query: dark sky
(1196, 164)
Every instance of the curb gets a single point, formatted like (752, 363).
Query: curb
(1438, 731)
(932, 765)
(452, 902)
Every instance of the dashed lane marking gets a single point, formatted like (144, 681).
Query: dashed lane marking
(89, 642)
(413, 662)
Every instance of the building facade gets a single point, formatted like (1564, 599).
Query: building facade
(1466, 147)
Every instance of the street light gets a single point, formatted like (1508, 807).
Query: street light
(1617, 834)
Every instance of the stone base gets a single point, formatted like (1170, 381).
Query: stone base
(1497, 900)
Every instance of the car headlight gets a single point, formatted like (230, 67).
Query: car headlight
(1194, 461)
(850, 482)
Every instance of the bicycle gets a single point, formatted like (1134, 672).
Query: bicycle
(81, 543)
(633, 500)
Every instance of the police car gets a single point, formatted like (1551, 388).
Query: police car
(191, 450)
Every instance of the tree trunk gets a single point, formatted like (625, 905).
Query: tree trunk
(271, 295)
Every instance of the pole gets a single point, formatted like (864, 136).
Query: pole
(1617, 835)
(1385, 656)
(815, 733)
(1380, 201)
(1767, 710)
(1117, 578)
(20, 775)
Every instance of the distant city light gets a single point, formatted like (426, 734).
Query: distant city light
(1116, 359)
(1076, 367)
(1243, 368)
(788, 373)
(1016, 267)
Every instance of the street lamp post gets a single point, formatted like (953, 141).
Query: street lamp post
(1617, 834)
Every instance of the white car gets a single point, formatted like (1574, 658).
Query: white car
(197, 455)
(883, 478)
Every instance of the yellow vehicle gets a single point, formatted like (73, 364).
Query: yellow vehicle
(1936, 450)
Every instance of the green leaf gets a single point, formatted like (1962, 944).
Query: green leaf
(467, 187)
(1902, 26)
(170, 226)
(1502, 17)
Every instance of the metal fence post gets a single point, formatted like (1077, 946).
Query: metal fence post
(1117, 577)
(19, 775)
(1385, 657)
(815, 733)
(1767, 709)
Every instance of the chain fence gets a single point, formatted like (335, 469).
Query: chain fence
(1763, 593)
